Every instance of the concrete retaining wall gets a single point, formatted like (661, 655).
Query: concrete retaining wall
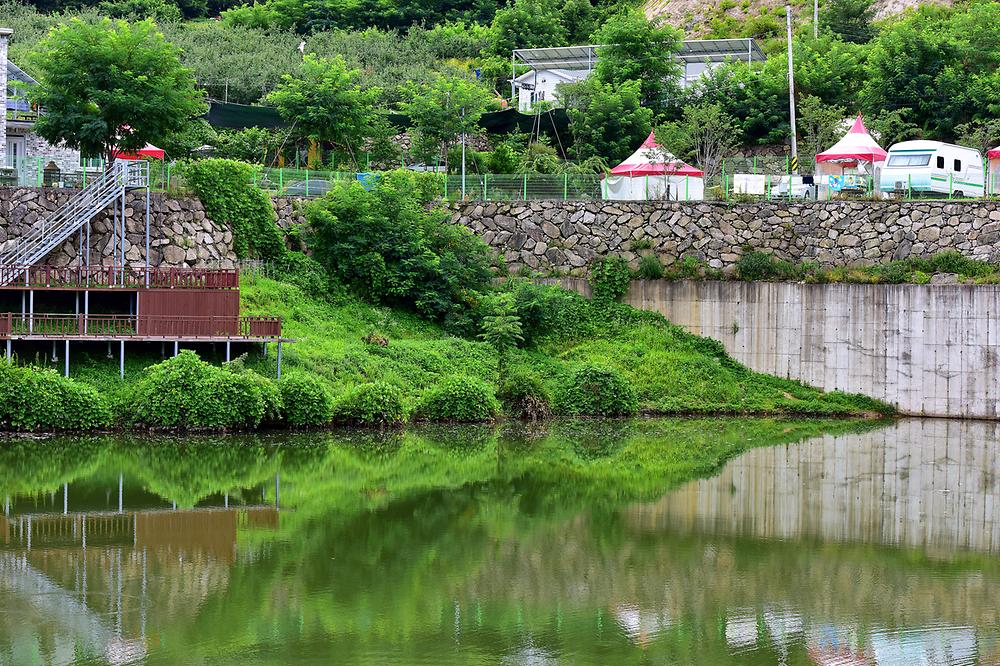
(928, 349)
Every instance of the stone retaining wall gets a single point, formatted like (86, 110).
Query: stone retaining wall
(563, 237)
(181, 234)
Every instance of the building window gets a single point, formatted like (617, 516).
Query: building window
(940, 162)
(91, 162)
(958, 165)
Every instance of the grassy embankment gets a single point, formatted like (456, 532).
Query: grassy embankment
(672, 372)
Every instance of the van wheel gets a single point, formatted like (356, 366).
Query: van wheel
(958, 193)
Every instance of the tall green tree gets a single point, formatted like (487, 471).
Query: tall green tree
(111, 85)
(527, 24)
(327, 103)
(850, 20)
(703, 136)
(440, 110)
(606, 120)
(635, 49)
(819, 125)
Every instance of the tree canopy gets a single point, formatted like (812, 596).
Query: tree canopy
(111, 85)
(440, 110)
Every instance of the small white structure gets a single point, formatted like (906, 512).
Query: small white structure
(993, 172)
(653, 173)
(551, 67)
(851, 164)
(933, 167)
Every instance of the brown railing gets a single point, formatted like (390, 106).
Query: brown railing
(127, 277)
(128, 326)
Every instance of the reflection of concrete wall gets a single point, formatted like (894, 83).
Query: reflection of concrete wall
(929, 350)
(919, 483)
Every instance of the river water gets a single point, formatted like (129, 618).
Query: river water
(573, 543)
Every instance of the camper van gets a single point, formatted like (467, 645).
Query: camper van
(932, 168)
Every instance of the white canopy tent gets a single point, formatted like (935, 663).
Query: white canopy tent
(653, 173)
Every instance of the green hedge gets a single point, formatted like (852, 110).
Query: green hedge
(35, 399)
(306, 402)
(459, 399)
(595, 391)
(370, 404)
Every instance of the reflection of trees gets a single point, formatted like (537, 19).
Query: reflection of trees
(31, 466)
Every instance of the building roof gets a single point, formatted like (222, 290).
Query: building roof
(856, 145)
(17, 74)
(994, 154)
(697, 50)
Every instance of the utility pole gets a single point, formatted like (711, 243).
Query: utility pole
(791, 90)
(815, 19)
(463, 152)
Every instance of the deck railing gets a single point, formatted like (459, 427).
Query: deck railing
(121, 277)
(15, 324)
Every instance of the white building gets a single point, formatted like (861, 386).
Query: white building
(24, 155)
(550, 67)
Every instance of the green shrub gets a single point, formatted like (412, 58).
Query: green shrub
(226, 189)
(609, 278)
(386, 246)
(186, 392)
(306, 402)
(650, 268)
(370, 404)
(227, 400)
(41, 399)
(524, 396)
(460, 399)
(594, 391)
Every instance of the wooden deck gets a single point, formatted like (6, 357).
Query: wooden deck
(76, 278)
(16, 326)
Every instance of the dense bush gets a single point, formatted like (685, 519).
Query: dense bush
(609, 278)
(370, 404)
(649, 268)
(524, 396)
(386, 246)
(594, 391)
(227, 190)
(41, 399)
(460, 399)
(305, 401)
(186, 392)
(763, 266)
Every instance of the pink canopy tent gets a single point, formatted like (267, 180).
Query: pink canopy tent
(653, 173)
(856, 146)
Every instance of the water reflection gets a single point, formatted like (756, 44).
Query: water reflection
(572, 543)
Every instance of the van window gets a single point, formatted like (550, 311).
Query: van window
(908, 159)
(940, 162)
(958, 165)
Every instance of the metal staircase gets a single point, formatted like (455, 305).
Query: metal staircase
(72, 215)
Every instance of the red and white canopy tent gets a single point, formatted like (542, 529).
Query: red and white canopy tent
(148, 151)
(993, 172)
(856, 153)
(653, 173)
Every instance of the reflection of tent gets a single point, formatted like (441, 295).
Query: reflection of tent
(856, 151)
(653, 173)
(993, 173)
(148, 151)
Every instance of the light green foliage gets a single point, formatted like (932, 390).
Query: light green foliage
(459, 399)
(109, 85)
(254, 145)
(606, 120)
(136, 10)
(635, 49)
(596, 391)
(186, 392)
(384, 245)
(305, 400)
(42, 400)
(893, 126)
(982, 135)
(704, 136)
(440, 110)
(377, 403)
(226, 189)
(609, 279)
(649, 268)
(194, 135)
(326, 102)
(819, 125)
